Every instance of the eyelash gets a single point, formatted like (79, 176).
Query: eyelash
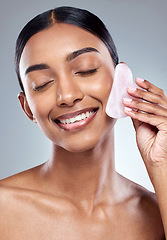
(40, 87)
(83, 73)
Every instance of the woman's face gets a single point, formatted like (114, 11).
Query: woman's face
(67, 74)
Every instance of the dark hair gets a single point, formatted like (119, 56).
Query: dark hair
(70, 15)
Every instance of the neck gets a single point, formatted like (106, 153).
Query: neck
(85, 176)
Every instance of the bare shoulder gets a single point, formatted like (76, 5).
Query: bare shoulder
(147, 202)
(26, 180)
(146, 211)
(14, 186)
(23, 203)
(26, 190)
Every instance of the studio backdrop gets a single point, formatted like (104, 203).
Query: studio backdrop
(140, 34)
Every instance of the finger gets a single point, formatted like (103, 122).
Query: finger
(158, 121)
(145, 107)
(150, 87)
(147, 96)
(136, 123)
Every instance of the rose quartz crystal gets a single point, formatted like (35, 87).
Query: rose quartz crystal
(123, 79)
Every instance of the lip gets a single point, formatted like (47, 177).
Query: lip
(74, 114)
(76, 125)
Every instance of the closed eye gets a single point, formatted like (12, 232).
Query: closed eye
(41, 86)
(88, 72)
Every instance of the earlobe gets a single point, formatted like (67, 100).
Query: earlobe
(25, 106)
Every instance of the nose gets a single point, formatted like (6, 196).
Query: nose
(68, 93)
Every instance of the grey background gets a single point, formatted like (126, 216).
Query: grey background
(139, 29)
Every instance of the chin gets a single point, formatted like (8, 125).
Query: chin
(86, 139)
(85, 142)
(79, 148)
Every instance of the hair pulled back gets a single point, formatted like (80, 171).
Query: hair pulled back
(69, 15)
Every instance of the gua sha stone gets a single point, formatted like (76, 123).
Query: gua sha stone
(123, 79)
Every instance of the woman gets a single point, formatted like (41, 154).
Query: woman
(65, 61)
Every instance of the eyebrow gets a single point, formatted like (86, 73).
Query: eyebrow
(75, 54)
(70, 57)
(36, 67)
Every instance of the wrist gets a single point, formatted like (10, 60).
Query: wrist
(158, 174)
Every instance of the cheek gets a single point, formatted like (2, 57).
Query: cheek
(100, 87)
(40, 104)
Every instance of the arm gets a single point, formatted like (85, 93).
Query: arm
(150, 123)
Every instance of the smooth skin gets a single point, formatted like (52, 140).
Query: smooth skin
(77, 194)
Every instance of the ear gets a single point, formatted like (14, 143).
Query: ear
(25, 106)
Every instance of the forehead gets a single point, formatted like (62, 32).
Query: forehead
(59, 40)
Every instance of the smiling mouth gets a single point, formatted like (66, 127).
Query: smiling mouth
(76, 120)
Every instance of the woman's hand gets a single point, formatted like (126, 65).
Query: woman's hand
(149, 114)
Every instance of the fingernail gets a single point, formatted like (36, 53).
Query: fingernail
(128, 109)
(140, 79)
(127, 99)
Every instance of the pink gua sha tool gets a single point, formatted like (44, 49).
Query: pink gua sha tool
(123, 79)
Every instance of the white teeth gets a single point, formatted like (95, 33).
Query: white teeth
(83, 115)
(77, 118)
(67, 121)
(87, 114)
(72, 120)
